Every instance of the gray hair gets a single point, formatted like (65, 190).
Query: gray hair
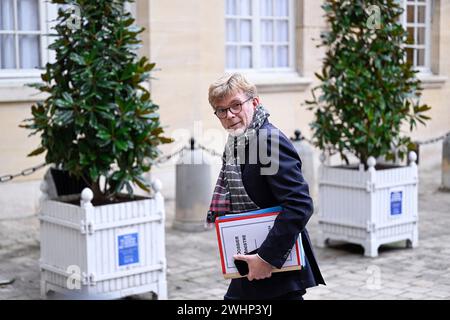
(229, 84)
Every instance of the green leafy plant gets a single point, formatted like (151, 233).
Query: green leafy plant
(98, 120)
(368, 90)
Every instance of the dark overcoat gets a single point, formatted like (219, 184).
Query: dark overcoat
(287, 188)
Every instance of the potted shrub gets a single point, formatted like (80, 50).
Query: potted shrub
(100, 125)
(368, 95)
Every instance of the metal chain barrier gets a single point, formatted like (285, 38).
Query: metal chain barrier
(23, 173)
(433, 140)
(210, 151)
(29, 171)
(191, 147)
(168, 157)
(420, 143)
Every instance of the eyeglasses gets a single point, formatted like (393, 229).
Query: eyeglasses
(235, 108)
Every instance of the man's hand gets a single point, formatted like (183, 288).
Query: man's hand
(258, 268)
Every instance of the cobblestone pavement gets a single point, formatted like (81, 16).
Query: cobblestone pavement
(194, 270)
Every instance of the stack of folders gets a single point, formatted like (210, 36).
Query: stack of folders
(244, 233)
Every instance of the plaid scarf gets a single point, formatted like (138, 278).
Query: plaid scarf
(229, 194)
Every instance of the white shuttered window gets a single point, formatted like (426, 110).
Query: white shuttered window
(23, 36)
(259, 34)
(417, 22)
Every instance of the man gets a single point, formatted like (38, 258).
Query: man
(244, 185)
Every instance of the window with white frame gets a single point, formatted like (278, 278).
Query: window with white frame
(259, 34)
(23, 40)
(417, 22)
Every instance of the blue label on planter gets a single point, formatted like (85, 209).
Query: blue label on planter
(128, 249)
(396, 202)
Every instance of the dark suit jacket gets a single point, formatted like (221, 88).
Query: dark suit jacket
(288, 189)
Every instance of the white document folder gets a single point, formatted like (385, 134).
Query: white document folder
(243, 233)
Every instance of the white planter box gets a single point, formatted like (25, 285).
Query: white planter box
(370, 207)
(103, 252)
